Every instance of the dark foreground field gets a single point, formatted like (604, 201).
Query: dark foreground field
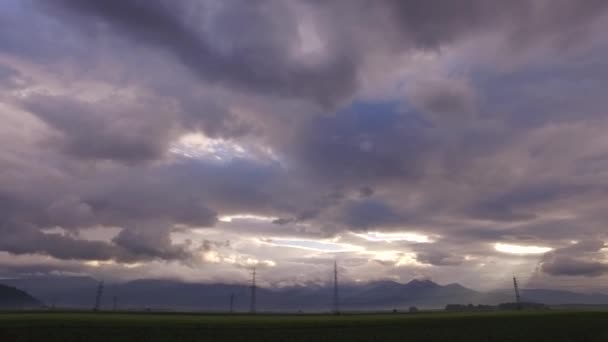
(554, 326)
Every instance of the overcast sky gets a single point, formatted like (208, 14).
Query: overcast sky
(462, 141)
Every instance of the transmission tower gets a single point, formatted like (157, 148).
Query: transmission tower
(336, 302)
(98, 295)
(114, 303)
(252, 307)
(231, 309)
(517, 296)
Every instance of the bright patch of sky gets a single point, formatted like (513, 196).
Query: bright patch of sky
(518, 249)
(315, 245)
(199, 146)
(100, 263)
(395, 236)
(217, 257)
(396, 257)
(230, 218)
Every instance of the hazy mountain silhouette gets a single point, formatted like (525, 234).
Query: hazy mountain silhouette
(556, 297)
(13, 298)
(79, 292)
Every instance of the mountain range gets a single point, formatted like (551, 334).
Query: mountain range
(79, 292)
(13, 298)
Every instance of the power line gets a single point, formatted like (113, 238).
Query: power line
(98, 295)
(252, 307)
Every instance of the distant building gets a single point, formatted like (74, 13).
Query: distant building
(469, 308)
(500, 307)
(522, 306)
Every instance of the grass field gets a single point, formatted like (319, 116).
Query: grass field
(57, 326)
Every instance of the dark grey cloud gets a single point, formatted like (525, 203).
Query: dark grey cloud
(432, 23)
(209, 245)
(363, 144)
(109, 129)
(584, 258)
(250, 46)
(449, 100)
(188, 192)
(448, 143)
(370, 213)
(366, 191)
(152, 241)
(247, 46)
(24, 239)
(130, 129)
(146, 205)
(203, 115)
(519, 25)
(519, 204)
(438, 258)
(574, 267)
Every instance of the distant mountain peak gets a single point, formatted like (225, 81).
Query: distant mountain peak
(376, 295)
(422, 283)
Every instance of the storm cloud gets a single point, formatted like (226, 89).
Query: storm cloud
(406, 139)
(258, 60)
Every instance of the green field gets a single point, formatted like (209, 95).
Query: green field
(56, 326)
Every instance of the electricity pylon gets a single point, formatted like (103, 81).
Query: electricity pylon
(231, 308)
(336, 302)
(252, 307)
(98, 295)
(517, 296)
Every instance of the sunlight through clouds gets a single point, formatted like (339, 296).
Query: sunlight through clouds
(397, 258)
(314, 245)
(222, 134)
(517, 249)
(100, 263)
(398, 236)
(230, 218)
(196, 145)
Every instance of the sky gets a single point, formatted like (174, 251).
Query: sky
(460, 141)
